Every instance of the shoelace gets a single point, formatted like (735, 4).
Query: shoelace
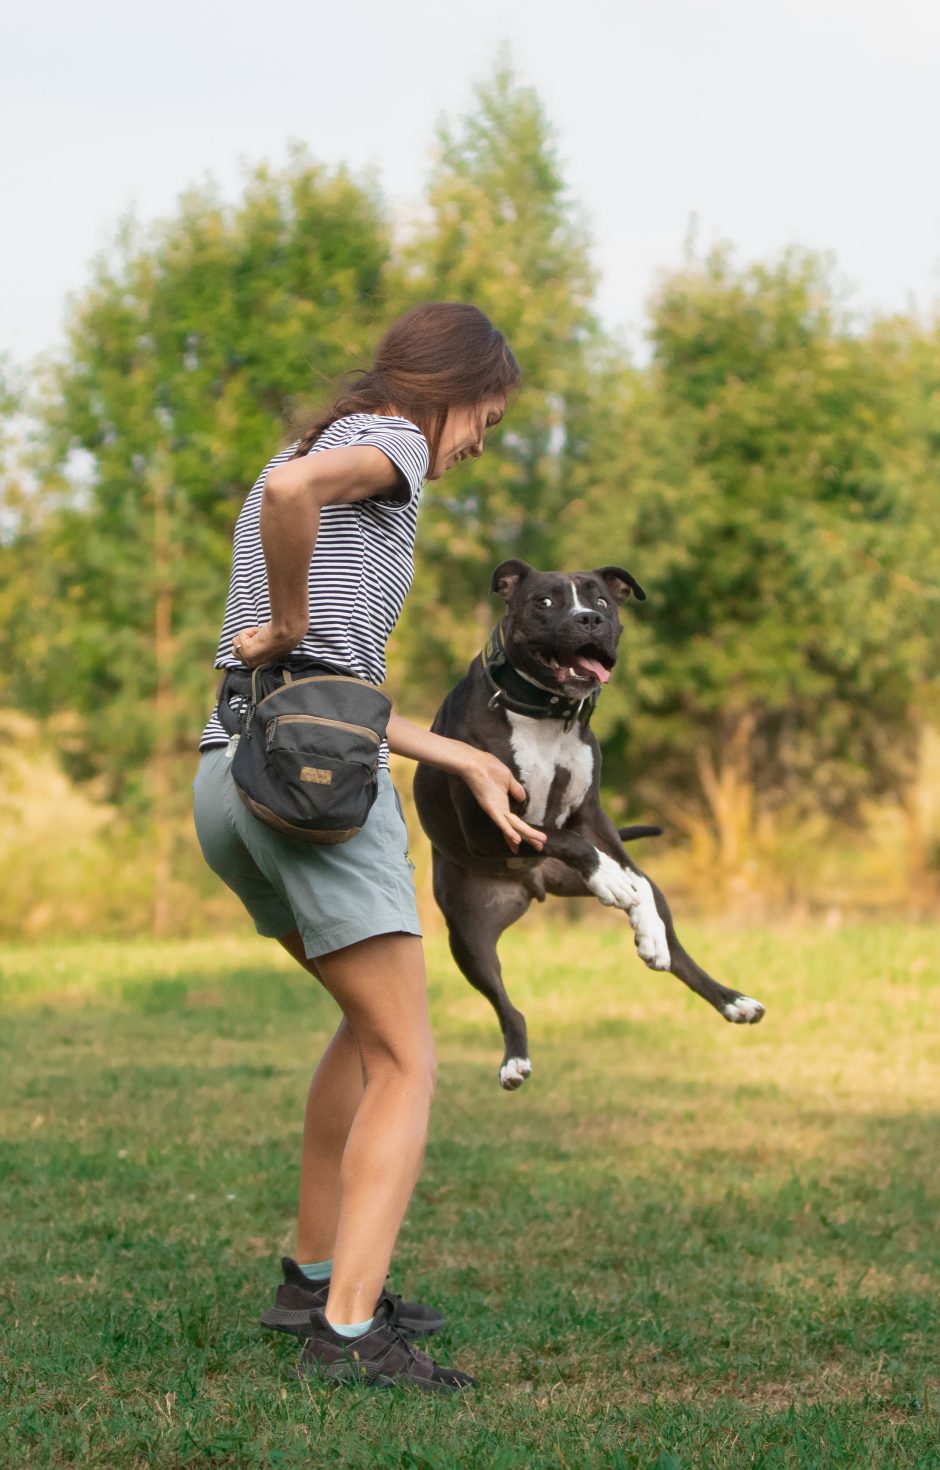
(397, 1332)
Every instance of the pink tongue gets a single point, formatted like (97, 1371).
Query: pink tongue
(591, 666)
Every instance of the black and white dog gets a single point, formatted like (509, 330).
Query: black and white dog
(528, 698)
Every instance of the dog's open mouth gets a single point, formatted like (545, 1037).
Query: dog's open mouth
(589, 665)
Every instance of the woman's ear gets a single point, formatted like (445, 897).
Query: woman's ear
(507, 577)
(621, 583)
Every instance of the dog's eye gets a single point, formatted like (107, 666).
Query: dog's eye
(544, 601)
(601, 601)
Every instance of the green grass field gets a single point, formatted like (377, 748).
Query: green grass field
(681, 1245)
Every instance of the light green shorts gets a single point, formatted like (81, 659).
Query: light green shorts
(334, 895)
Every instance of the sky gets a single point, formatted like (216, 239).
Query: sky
(808, 121)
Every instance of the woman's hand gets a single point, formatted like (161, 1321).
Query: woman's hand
(264, 645)
(493, 784)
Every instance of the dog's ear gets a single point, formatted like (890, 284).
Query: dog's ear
(507, 577)
(621, 583)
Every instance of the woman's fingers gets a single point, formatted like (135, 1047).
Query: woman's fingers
(513, 828)
(242, 641)
(494, 785)
(513, 839)
(516, 789)
(531, 834)
(255, 646)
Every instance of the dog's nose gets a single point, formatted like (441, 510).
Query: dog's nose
(588, 620)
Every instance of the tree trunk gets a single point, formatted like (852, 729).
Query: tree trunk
(728, 785)
(920, 806)
(162, 766)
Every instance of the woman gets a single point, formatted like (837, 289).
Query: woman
(322, 562)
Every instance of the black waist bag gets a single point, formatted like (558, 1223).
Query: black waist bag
(306, 747)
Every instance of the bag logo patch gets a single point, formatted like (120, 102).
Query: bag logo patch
(316, 774)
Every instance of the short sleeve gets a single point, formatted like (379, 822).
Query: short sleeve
(405, 445)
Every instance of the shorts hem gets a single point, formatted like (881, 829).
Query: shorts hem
(319, 942)
(274, 928)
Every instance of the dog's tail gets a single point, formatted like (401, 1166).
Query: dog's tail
(630, 834)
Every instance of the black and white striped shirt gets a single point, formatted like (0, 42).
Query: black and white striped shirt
(361, 568)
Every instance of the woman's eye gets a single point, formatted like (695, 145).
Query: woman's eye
(545, 602)
(602, 602)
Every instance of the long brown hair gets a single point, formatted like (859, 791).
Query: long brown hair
(438, 356)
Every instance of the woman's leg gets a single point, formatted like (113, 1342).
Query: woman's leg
(381, 987)
(332, 1100)
(333, 1097)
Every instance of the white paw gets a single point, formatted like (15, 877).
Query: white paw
(651, 945)
(629, 891)
(744, 1010)
(513, 1073)
(615, 886)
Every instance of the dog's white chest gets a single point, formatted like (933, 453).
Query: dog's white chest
(541, 749)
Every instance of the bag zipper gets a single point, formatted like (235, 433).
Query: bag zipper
(318, 720)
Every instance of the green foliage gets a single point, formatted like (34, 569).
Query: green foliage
(188, 355)
(504, 234)
(771, 480)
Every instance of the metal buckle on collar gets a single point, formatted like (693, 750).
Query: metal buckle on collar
(554, 706)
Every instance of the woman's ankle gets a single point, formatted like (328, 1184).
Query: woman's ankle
(351, 1304)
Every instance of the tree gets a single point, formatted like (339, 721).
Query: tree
(767, 482)
(504, 234)
(187, 355)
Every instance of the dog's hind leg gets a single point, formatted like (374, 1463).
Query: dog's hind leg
(478, 909)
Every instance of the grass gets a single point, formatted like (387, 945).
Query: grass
(681, 1246)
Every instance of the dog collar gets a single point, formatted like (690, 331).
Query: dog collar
(514, 692)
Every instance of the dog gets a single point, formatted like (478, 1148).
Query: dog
(528, 698)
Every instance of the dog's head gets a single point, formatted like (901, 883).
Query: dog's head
(561, 628)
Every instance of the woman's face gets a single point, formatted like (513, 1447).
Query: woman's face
(463, 434)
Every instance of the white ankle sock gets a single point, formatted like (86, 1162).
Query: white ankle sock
(351, 1329)
(317, 1270)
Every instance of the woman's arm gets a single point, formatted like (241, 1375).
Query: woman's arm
(491, 782)
(293, 496)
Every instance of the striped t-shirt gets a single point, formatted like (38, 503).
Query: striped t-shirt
(361, 568)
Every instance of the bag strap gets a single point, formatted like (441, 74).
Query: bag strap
(245, 683)
(234, 681)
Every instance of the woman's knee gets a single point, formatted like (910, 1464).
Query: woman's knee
(409, 1059)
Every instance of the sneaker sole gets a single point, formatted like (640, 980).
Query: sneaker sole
(283, 1319)
(363, 1374)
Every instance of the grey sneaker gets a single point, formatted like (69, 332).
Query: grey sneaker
(298, 1296)
(380, 1358)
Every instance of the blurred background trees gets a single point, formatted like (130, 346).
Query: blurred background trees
(778, 488)
(771, 474)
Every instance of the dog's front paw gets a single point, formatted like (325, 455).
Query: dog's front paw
(649, 930)
(615, 886)
(744, 1010)
(513, 1073)
(652, 947)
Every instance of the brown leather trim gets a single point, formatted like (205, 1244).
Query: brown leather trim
(271, 819)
